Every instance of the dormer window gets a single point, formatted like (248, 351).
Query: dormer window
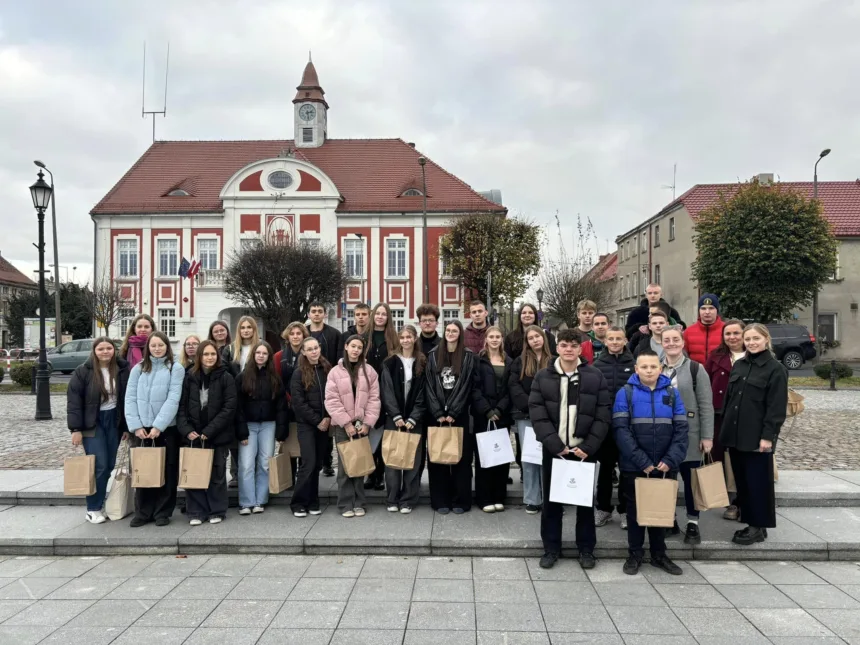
(412, 192)
(179, 193)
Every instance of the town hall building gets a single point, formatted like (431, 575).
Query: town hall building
(206, 198)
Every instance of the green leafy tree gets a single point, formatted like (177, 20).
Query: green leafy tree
(508, 248)
(764, 250)
(73, 300)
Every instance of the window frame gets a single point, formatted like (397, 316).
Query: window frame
(398, 317)
(391, 269)
(656, 235)
(657, 273)
(172, 272)
(356, 248)
(671, 229)
(132, 252)
(124, 321)
(445, 320)
(200, 254)
(307, 135)
(166, 321)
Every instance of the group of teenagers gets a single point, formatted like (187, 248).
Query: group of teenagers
(653, 399)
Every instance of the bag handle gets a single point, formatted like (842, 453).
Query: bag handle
(202, 443)
(492, 423)
(707, 458)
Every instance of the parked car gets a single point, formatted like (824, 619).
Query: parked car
(66, 357)
(792, 344)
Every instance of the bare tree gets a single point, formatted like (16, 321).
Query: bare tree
(570, 279)
(104, 301)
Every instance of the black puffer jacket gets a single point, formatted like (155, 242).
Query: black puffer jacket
(376, 354)
(519, 388)
(486, 396)
(616, 369)
(593, 408)
(331, 343)
(458, 401)
(309, 405)
(263, 405)
(514, 343)
(755, 403)
(83, 401)
(394, 404)
(217, 421)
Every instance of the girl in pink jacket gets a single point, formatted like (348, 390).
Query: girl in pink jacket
(352, 400)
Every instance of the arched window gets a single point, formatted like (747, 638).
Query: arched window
(412, 192)
(179, 193)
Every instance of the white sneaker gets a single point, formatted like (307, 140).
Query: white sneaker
(500, 508)
(195, 522)
(406, 510)
(359, 512)
(624, 522)
(348, 513)
(215, 520)
(300, 514)
(258, 509)
(392, 508)
(489, 508)
(96, 517)
(315, 511)
(244, 511)
(602, 518)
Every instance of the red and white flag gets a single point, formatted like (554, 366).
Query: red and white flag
(194, 269)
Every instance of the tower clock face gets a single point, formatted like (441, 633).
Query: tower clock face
(307, 112)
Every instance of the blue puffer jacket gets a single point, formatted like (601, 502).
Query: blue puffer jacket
(653, 431)
(152, 398)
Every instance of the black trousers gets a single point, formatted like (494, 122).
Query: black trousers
(607, 455)
(451, 486)
(636, 533)
(328, 460)
(378, 475)
(491, 484)
(313, 444)
(404, 485)
(553, 512)
(155, 503)
(212, 502)
(754, 477)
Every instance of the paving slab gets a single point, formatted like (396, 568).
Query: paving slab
(244, 613)
(442, 637)
(224, 566)
(336, 566)
(852, 476)
(12, 481)
(274, 566)
(116, 613)
(591, 639)
(814, 485)
(191, 588)
(276, 530)
(656, 620)
(756, 596)
(367, 637)
(290, 636)
(454, 616)
(29, 635)
(499, 568)
(786, 622)
(86, 589)
(91, 635)
(31, 588)
(837, 573)
(263, 589)
(309, 614)
(175, 565)
(781, 572)
(683, 595)
(377, 532)
(67, 567)
(508, 533)
(559, 618)
(221, 635)
(438, 590)
(9, 608)
(17, 567)
(509, 616)
(390, 566)
(817, 597)
(177, 612)
(843, 622)
(123, 566)
(513, 638)
(135, 635)
(445, 567)
(579, 592)
(118, 538)
(723, 623)
(369, 614)
(323, 589)
(839, 527)
(787, 541)
(382, 589)
(49, 613)
(36, 526)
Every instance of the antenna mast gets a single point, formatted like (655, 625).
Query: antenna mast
(143, 111)
(674, 182)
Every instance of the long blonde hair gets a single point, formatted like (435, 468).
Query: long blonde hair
(763, 330)
(237, 339)
(531, 364)
(184, 359)
(486, 349)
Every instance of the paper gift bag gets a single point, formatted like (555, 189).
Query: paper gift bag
(291, 445)
(356, 457)
(445, 444)
(399, 448)
(120, 498)
(709, 485)
(195, 467)
(79, 475)
(795, 403)
(655, 501)
(494, 447)
(147, 467)
(731, 486)
(573, 482)
(280, 473)
(532, 449)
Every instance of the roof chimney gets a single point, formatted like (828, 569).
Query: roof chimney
(765, 178)
(411, 144)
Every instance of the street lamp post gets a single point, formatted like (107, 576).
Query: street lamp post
(423, 162)
(58, 324)
(815, 330)
(540, 307)
(41, 194)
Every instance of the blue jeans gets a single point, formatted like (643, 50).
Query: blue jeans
(686, 474)
(532, 474)
(104, 446)
(254, 464)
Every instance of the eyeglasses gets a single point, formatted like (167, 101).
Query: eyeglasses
(192, 344)
(427, 321)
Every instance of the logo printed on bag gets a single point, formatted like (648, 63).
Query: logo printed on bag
(571, 483)
(496, 447)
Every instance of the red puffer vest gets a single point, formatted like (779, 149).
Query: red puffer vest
(700, 340)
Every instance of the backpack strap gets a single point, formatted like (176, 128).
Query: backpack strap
(694, 373)
(628, 392)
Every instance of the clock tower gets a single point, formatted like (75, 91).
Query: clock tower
(310, 111)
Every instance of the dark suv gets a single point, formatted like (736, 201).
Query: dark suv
(792, 344)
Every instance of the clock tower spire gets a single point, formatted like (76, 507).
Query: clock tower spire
(310, 110)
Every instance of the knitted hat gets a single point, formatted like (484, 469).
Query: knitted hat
(709, 299)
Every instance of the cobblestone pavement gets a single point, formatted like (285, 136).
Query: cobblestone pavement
(341, 600)
(825, 436)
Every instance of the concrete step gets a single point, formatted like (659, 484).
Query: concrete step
(796, 488)
(811, 533)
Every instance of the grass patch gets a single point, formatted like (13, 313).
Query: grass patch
(14, 388)
(814, 381)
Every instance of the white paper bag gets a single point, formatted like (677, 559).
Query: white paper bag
(532, 449)
(573, 482)
(494, 447)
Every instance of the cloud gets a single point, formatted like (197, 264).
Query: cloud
(567, 107)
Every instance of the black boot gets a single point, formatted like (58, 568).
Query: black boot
(750, 535)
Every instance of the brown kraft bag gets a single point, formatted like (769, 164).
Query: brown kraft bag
(709, 485)
(291, 445)
(445, 444)
(280, 473)
(195, 467)
(399, 448)
(147, 466)
(79, 475)
(356, 457)
(655, 501)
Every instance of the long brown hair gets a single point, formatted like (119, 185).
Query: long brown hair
(391, 339)
(237, 340)
(722, 348)
(454, 359)
(485, 351)
(197, 365)
(113, 369)
(360, 364)
(417, 354)
(220, 323)
(123, 350)
(531, 364)
(252, 372)
(146, 363)
(307, 369)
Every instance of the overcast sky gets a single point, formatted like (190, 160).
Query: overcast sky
(568, 107)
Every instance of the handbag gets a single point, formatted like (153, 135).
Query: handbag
(120, 499)
(494, 446)
(445, 444)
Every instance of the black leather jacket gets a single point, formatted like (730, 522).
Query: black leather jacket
(456, 405)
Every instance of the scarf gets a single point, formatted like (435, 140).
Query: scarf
(135, 350)
(567, 413)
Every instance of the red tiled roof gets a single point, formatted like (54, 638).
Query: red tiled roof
(8, 273)
(606, 267)
(841, 201)
(369, 173)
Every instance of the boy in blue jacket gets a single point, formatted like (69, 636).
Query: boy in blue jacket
(650, 425)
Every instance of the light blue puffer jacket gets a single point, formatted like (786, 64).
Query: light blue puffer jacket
(152, 398)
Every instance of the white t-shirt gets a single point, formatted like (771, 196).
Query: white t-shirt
(110, 402)
(408, 365)
(243, 355)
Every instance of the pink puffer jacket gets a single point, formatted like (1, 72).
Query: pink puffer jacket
(340, 403)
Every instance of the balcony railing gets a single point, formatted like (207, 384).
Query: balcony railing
(213, 278)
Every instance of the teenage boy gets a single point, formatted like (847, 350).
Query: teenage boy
(328, 337)
(637, 320)
(361, 326)
(428, 321)
(617, 365)
(585, 310)
(599, 326)
(707, 333)
(650, 426)
(654, 340)
(477, 329)
(569, 407)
